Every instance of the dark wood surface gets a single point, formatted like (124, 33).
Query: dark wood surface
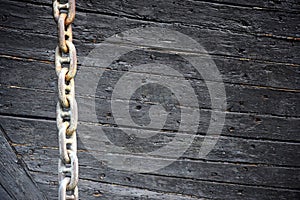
(255, 45)
(15, 181)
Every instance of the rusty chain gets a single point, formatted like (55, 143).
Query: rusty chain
(66, 110)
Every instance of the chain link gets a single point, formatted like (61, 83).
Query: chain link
(66, 109)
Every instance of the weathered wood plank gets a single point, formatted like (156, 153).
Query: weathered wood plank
(4, 194)
(14, 180)
(197, 189)
(226, 150)
(234, 71)
(241, 99)
(92, 28)
(203, 14)
(206, 14)
(240, 125)
(281, 5)
(99, 190)
(263, 167)
(244, 125)
(17, 72)
(44, 160)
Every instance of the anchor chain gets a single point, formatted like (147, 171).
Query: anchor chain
(66, 109)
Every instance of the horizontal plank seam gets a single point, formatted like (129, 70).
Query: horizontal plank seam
(205, 55)
(252, 7)
(281, 89)
(175, 177)
(29, 117)
(127, 186)
(256, 7)
(203, 108)
(208, 80)
(52, 119)
(131, 17)
(213, 182)
(174, 50)
(227, 183)
(213, 56)
(43, 119)
(243, 162)
(186, 52)
(186, 132)
(240, 163)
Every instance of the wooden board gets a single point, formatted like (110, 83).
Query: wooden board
(254, 44)
(15, 182)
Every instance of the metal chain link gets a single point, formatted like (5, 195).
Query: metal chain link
(66, 109)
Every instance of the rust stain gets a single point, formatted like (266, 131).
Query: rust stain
(245, 59)
(26, 59)
(279, 36)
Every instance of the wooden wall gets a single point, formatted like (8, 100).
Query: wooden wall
(256, 47)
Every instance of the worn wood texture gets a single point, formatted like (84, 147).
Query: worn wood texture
(15, 183)
(255, 45)
(238, 179)
(93, 27)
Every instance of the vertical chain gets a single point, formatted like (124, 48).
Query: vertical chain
(66, 109)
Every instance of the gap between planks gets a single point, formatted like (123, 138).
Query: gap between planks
(137, 72)
(174, 177)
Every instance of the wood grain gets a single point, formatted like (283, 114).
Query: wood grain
(93, 27)
(254, 44)
(15, 183)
